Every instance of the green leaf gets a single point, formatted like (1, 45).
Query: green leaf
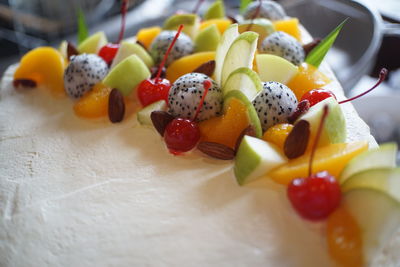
(317, 55)
(244, 4)
(83, 31)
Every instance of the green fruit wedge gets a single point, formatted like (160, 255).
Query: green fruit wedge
(253, 117)
(93, 43)
(240, 54)
(255, 158)
(215, 11)
(229, 36)
(127, 49)
(263, 27)
(127, 75)
(381, 157)
(191, 24)
(207, 39)
(143, 115)
(244, 80)
(274, 68)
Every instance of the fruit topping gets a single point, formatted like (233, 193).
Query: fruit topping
(160, 120)
(244, 80)
(71, 50)
(289, 26)
(301, 109)
(206, 68)
(263, 27)
(277, 134)
(216, 150)
(207, 39)
(268, 9)
(94, 104)
(222, 24)
(116, 106)
(127, 49)
(215, 11)
(190, 21)
(275, 68)
(185, 96)
(93, 43)
(82, 73)
(24, 83)
(108, 52)
(147, 35)
(317, 95)
(297, 141)
(274, 104)
(283, 45)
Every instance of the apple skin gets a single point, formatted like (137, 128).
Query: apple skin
(244, 80)
(207, 39)
(143, 116)
(127, 49)
(262, 26)
(215, 11)
(190, 21)
(274, 68)
(93, 43)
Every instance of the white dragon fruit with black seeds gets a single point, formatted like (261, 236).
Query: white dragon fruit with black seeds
(274, 104)
(82, 73)
(283, 45)
(269, 10)
(186, 93)
(183, 47)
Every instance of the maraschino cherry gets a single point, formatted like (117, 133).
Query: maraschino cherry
(182, 135)
(318, 195)
(109, 51)
(152, 90)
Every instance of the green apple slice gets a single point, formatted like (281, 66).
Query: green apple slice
(262, 26)
(244, 80)
(207, 39)
(63, 49)
(334, 130)
(191, 24)
(143, 115)
(255, 158)
(127, 49)
(240, 54)
(253, 117)
(229, 36)
(274, 68)
(93, 43)
(378, 216)
(215, 11)
(381, 157)
(127, 75)
(385, 180)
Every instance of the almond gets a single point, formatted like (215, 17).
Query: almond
(249, 130)
(216, 150)
(160, 120)
(301, 109)
(24, 83)
(310, 46)
(71, 50)
(206, 68)
(297, 141)
(116, 106)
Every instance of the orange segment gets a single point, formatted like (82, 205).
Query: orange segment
(227, 128)
(344, 239)
(308, 78)
(187, 64)
(277, 134)
(290, 26)
(222, 24)
(332, 158)
(94, 104)
(147, 35)
(44, 65)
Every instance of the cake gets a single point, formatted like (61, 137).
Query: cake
(79, 193)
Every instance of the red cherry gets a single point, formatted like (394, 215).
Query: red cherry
(315, 197)
(181, 135)
(317, 95)
(108, 52)
(150, 91)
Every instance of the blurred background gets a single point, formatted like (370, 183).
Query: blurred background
(369, 41)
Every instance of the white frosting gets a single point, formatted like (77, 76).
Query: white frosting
(80, 193)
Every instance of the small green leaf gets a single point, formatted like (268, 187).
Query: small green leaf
(83, 31)
(317, 55)
(244, 4)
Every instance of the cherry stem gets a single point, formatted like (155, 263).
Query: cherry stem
(124, 9)
(207, 85)
(317, 137)
(197, 7)
(161, 66)
(382, 76)
(255, 15)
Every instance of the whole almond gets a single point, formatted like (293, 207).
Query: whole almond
(301, 109)
(216, 150)
(310, 46)
(206, 68)
(249, 130)
(71, 50)
(24, 83)
(116, 106)
(160, 120)
(297, 141)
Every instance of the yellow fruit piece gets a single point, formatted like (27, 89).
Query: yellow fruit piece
(147, 35)
(227, 128)
(187, 64)
(45, 66)
(94, 104)
(222, 24)
(308, 78)
(277, 134)
(332, 158)
(344, 239)
(290, 26)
